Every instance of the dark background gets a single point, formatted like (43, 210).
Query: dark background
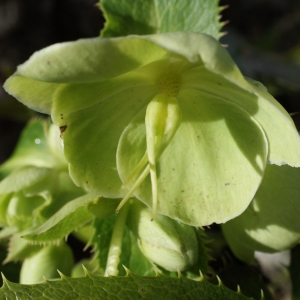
(263, 38)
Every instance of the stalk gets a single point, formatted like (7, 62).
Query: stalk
(115, 246)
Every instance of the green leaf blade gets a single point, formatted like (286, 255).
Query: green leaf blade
(150, 17)
(71, 216)
(127, 287)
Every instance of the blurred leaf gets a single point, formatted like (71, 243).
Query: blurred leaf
(32, 149)
(19, 249)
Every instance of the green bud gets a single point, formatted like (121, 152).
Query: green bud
(45, 263)
(164, 241)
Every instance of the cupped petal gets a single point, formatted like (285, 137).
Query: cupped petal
(92, 117)
(90, 60)
(37, 95)
(281, 133)
(271, 222)
(211, 169)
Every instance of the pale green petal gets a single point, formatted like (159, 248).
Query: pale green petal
(37, 95)
(201, 49)
(90, 60)
(211, 169)
(282, 136)
(271, 222)
(93, 117)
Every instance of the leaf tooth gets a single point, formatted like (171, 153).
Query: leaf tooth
(219, 280)
(85, 270)
(238, 289)
(62, 276)
(223, 7)
(221, 34)
(128, 272)
(262, 295)
(201, 278)
(179, 274)
(158, 272)
(5, 281)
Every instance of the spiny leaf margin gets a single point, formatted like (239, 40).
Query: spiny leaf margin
(150, 17)
(127, 287)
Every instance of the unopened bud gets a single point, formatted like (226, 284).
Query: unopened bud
(164, 241)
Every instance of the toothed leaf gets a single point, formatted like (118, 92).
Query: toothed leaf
(127, 287)
(148, 17)
(19, 249)
(71, 216)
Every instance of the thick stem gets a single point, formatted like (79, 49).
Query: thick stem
(115, 246)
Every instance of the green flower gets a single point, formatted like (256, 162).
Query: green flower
(167, 118)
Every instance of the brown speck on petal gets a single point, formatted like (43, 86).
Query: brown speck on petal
(62, 129)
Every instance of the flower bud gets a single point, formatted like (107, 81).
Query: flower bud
(164, 241)
(45, 263)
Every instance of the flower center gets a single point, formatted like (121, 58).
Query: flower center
(168, 86)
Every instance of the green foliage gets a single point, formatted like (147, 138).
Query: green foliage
(148, 17)
(127, 287)
(71, 216)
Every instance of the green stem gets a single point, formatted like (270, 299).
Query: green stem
(115, 246)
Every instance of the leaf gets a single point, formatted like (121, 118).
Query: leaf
(151, 16)
(19, 249)
(23, 178)
(271, 222)
(127, 287)
(203, 255)
(131, 255)
(32, 149)
(138, 263)
(71, 216)
(101, 239)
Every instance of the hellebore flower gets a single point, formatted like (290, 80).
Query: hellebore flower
(167, 118)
